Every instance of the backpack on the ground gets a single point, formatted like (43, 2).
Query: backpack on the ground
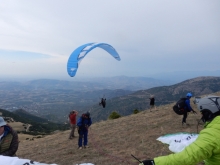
(179, 106)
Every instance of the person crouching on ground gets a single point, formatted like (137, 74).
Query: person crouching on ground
(83, 124)
(72, 120)
(8, 139)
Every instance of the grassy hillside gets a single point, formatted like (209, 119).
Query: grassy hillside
(113, 141)
(125, 105)
(29, 117)
(37, 125)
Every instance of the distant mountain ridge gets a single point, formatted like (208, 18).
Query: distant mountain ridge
(38, 125)
(24, 116)
(53, 99)
(125, 105)
(179, 76)
(128, 83)
(90, 84)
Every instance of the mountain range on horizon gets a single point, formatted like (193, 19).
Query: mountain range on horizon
(139, 100)
(53, 99)
(167, 77)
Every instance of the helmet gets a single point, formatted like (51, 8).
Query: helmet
(208, 106)
(2, 122)
(210, 103)
(87, 114)
(188, 95)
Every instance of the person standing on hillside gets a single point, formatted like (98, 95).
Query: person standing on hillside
(187, 108)
(152, 102)
(72, 120)
(206, 147)
(83, 124)
(8, 139)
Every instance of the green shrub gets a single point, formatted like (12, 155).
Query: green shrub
(136, 111)
(114, 115)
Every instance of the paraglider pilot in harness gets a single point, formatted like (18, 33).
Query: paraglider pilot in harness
(103, 102)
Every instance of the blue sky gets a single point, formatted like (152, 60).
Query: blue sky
(151, 37)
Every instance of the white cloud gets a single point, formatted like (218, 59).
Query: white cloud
(144, 33)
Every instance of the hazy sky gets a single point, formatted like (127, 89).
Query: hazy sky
(37, 37)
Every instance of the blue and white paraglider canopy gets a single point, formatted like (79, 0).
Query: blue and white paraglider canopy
(79, 53)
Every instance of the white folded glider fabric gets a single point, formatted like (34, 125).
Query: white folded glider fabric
(178, 141)
(6, 160)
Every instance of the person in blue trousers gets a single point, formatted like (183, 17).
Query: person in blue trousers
(83, 124)
(187, 108)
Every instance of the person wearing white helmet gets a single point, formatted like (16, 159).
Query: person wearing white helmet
(206, 147)
(8, 139)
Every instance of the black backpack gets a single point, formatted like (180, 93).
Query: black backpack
(179, 106)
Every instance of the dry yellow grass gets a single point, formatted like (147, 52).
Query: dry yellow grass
(24, 137)
(17, 126)
(113, 141)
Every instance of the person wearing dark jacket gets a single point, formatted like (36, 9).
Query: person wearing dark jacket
(152, 102)
(8, 139)
(187, 108)
(83, 124)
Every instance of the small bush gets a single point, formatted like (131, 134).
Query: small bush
(114, 115)
(136, 111)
